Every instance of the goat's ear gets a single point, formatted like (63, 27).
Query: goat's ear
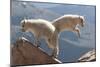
(24, 22)
(82, 18)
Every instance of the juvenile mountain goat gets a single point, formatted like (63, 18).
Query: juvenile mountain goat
(69, 22)
(42, 29)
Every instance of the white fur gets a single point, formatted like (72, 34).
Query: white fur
(42, 29)
(69, 22)
(49, 31)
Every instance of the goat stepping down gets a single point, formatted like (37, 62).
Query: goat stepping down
(41, 29)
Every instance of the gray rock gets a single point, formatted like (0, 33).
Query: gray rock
(89, 56)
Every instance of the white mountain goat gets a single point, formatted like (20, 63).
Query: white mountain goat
(70, 23)
(42, 29)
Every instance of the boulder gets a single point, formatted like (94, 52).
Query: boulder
(89, 56)
(23, 52)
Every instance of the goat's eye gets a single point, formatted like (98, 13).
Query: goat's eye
(48, 39)
(22, 25)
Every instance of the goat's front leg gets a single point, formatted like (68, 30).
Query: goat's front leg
(77, 30)
(54, 42)
(55, 52)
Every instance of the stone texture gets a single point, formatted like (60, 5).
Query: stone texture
(89, 56)
(24, 52)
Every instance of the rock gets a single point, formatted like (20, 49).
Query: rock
(24, 52)
(89, 56)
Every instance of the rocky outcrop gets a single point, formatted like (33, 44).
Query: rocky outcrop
(24, 52)
(89, 56)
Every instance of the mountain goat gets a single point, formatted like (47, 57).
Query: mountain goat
(69, 22)
(42, 29)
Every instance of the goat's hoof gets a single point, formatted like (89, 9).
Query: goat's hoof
(37, 46)
(53, 56)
